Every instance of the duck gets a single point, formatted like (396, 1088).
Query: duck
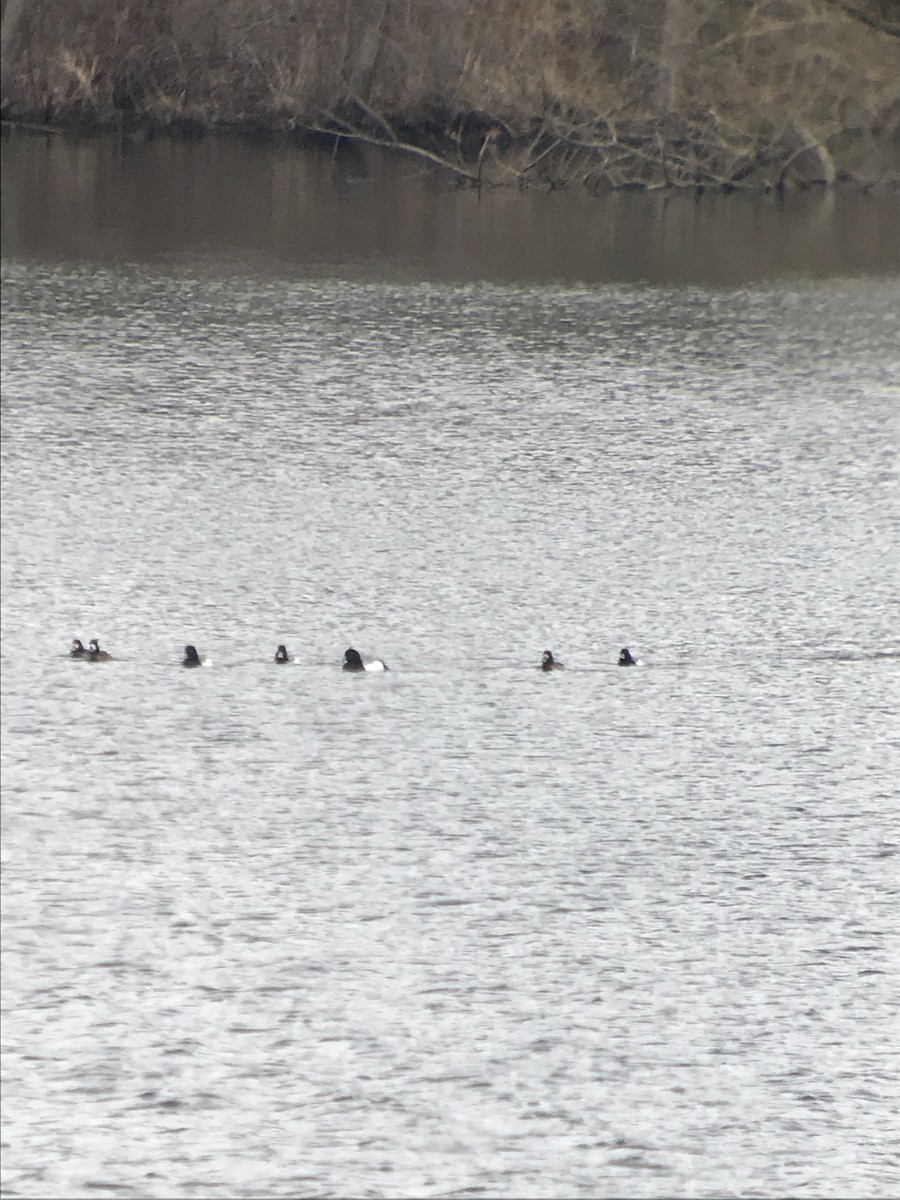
(353, 662)
(95, 654)
(78, 650)
(191, 657)
(549, 663)
(281, 655)
(626, 658)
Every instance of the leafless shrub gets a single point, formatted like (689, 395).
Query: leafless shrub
(652, 93)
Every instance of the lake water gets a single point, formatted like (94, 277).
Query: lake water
(463, 928)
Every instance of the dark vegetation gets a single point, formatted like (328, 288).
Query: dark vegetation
(606, 93)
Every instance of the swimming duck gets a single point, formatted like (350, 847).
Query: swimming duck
(353, 662)
(626, 658)
(77, 651)
(191, 657)
(549, 663)
(281, 655)
(95, 654)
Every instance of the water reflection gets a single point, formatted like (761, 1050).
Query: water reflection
(367, 214)
(463, 927)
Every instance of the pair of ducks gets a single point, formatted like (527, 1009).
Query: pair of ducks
(353, 660)
(549, 663)
(93, 652)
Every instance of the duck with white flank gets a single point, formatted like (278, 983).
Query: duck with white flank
(353, 661)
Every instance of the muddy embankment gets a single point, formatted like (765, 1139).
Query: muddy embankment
(601, 93)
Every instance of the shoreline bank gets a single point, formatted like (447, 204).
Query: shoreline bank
(599, 94)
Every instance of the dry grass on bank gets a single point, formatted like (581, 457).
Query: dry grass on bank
(650, 93)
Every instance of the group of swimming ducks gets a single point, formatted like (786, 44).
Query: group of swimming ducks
(92, 654)
(353, 660)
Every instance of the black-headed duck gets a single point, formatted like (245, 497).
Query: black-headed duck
(95, 654)
(353, 662)
(549, 663)
(191, 657)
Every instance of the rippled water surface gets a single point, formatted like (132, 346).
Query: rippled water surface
(463, 928)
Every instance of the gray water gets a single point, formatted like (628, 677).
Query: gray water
(462, 928)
